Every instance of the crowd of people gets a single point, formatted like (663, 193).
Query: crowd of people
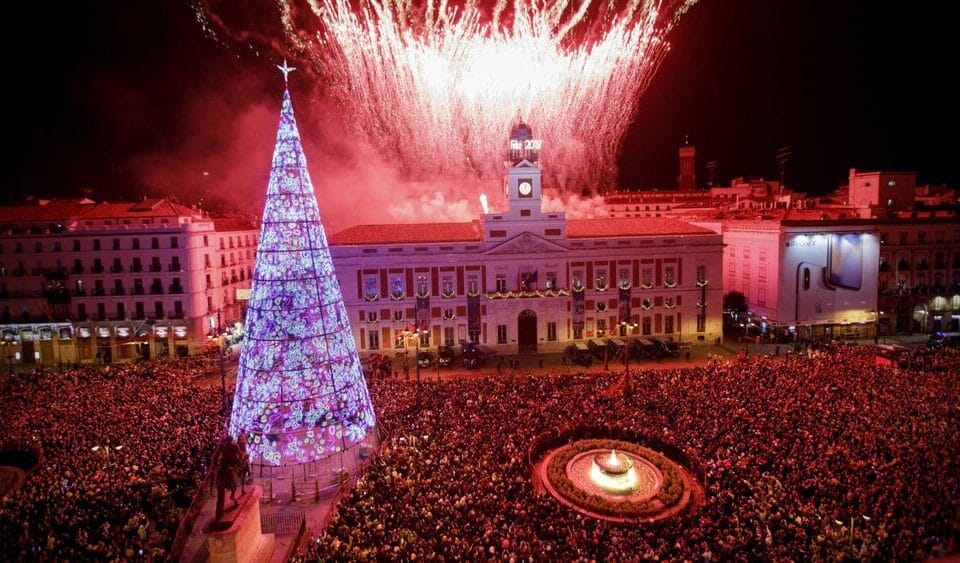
(826, 456)
(122, 449)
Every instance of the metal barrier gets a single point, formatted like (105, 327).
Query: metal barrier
(190, 518)
(282, 524)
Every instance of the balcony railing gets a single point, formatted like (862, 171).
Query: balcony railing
(97, 269)
(174, 268)
(77, 270)
(119, 291)
(156, 289)
(155, 268)
(176, 289)
(138, 290)
(136, 268)
(100, 291)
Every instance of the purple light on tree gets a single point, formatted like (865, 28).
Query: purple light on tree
(300, 395)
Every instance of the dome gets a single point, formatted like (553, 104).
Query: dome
(521, 132)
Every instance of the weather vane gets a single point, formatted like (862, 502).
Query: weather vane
(286, 70)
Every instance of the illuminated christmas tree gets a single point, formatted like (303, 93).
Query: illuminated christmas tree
(300, 396)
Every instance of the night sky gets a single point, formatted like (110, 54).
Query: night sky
(130, 98)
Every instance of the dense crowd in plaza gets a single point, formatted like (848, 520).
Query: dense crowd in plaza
(123, 448)
(809, 457)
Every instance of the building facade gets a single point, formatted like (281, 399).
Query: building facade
(805, 276)
(524, 280)
(99, 282)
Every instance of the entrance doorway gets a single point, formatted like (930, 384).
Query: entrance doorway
(527, 332)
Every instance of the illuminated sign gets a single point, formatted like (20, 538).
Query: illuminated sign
(180, 331)
(160, 331)
(123, 331)
(529, 144)
(103, 331)
(84, 332)
(46, 333)
(65, 333)
(243, 294)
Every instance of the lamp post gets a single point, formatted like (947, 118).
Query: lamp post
(627, 326)
(223, 372)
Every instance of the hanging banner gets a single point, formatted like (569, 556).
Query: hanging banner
(623, 305)
(473, 317)
(423, 312)
(579, 309)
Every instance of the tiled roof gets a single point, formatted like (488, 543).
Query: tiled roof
(634, 226)
(408, 233)
(72, 209)
(467, 232)
(233, 224)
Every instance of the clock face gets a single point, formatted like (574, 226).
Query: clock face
(525, 187)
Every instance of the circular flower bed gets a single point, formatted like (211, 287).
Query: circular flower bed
(670, 493)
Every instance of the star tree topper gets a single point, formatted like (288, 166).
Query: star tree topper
(286, 70)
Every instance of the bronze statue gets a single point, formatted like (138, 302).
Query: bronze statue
(230, 466)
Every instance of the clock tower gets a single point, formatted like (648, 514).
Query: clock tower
(524, 190)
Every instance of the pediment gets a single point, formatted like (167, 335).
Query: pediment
(526, 243)
(524, 164)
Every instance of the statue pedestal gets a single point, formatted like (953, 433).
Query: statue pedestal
(240, 540)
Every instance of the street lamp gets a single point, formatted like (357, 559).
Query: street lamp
(627, 326)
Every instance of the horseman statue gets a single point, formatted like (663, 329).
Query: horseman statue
(231, 468)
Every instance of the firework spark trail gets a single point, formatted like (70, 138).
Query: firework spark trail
(436, 86)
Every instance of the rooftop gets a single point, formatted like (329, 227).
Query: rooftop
(413, 233)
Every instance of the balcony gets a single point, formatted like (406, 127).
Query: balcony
(176, 289)
(99, 292)
(80, 292)
(49, 270)
(116, 269)
(923, 265)
(940, 265)
(136, 268)
(97, 269)
(77, 270)
(155, 268)
(156, 290)
(118, 291)
(138, 290)
(174, 268)
(903, 265)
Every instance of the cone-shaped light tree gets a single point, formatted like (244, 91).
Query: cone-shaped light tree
(300, 395)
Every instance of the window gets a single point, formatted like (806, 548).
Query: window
(206, 240)
(501, 283)
(701, 322)
(446, 285)
(116, 244)
(646, 278)
(623, 277)
(501, 334)
(601, 279)
(552, 331)
(921, 237)
(178, 308)
(647, 325)
(76, 245)
(601, 327)
(668, 324)
(670, 276)
(101, 311)
(371, 288)
(577, 279)
(117, 266)
(903, 238)
(136, 243)
(578, 332)
(38, 247)
(174, 242)
(373, 339)
(121, 311)
(524, 212)
(118, 287)
(551, 282)
(422, 288)
(473, 284)
(175, 265)
(158, 309)
(449, 336)
(155, 264)
(96, 244)
(701, 274)
(56, 246)
(138, 310)
(396, 286)
(82, 311)
(154, 242)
